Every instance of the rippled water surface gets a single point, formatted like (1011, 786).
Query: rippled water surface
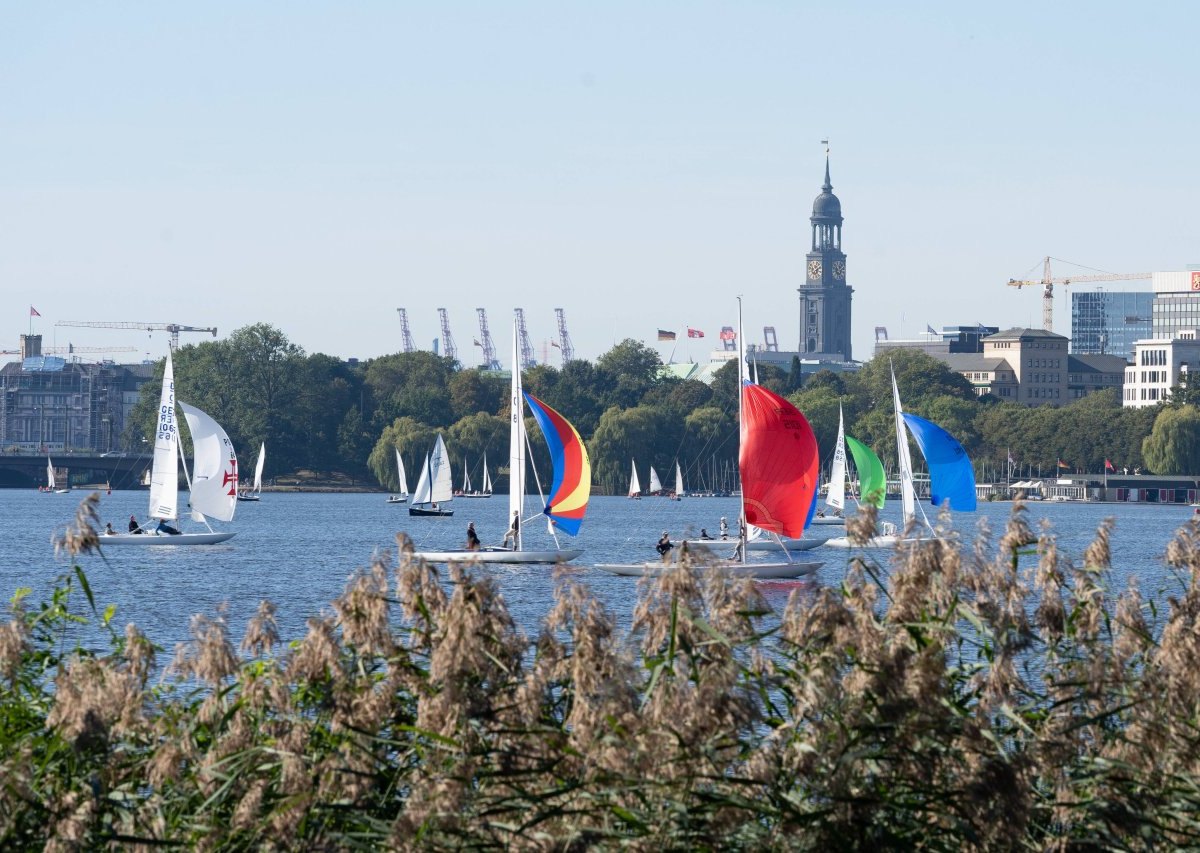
(298, 550)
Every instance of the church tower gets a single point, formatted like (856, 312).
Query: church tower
(825, 296)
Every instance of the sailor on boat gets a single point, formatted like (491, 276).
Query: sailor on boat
(473, 543)
(664, 545)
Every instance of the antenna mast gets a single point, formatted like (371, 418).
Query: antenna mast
(564, 337)
(448, 348)
(490, 361)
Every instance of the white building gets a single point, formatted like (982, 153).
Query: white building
(1159, 364)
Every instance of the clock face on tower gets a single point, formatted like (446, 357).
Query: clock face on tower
(839, 270)
(814, 269)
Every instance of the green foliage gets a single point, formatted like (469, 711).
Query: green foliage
(1173, 446)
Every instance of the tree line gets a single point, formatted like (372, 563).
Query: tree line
(319, 413)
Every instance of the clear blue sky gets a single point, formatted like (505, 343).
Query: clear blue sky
(317, 165)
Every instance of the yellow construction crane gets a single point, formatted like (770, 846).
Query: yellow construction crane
(70, 349)
(1048, 283)
(173, 328)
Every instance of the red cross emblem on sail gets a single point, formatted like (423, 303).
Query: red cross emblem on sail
(230, 477)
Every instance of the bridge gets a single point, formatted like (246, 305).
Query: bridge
(27, 470)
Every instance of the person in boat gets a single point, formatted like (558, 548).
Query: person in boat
(664, 544)
(108, 531)
(513, 529)
(134, 527)
(724, 528)
(704, 534)
(473, 543)
(163, 527)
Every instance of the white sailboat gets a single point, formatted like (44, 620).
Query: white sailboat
(655, 483)
(678, 493)
(52, 481)
(402, 496)
(255, 490)
(569, 491)
(434, 490)
(635, 487)
(778, 465)
(835, 497)
(212, 482)
(467, 491)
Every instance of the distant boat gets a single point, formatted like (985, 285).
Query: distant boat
(255, 490)
(467, 491)
(51, 481)
(655, 484)
(678, 493)
(434, 490)
(402, 497)
(635, 488)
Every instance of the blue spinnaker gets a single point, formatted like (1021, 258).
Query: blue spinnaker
(951, 477)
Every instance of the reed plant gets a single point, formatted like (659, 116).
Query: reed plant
(989, 694)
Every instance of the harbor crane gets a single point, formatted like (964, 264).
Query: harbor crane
(406, 340)
(490, 362)
(70, 349)
(448, 348)
(1048, 283)
(172, 328)
(527, 359)
(564, 338)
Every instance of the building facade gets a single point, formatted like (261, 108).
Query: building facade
(1158, 366)
(825, 296)
(1108, 322)
(1176, 303)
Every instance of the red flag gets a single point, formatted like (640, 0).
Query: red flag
(1062, 464)
(694, 333)
(33, 312)
(1108, 466)
(728, 334)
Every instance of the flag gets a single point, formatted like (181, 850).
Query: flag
(728, 334)
(33, 312)
(694, 333)
(1108, 466)
(1062, 464)
(1011, 461)
(930, 329)
(664, 335)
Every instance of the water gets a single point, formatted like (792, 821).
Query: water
(298, 550)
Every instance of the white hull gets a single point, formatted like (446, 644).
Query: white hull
(154, 538)
(887, 540)
(806, 544)
(822, 520)
(498, 555)
(397, 499)
(472, 494)
(759, 571)
(247, 497)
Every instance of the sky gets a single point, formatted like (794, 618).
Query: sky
(316, 166)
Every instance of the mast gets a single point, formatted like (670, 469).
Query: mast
(741, 435)
(516, 439)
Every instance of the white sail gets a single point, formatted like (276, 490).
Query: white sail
(420, 494)
(635, 488)
(655, 483)
(466, 477)
(836, 496)
(258, 467)
(403, 479)
(908, 495)
(164, 470)
(441, 487)
(214, 466)
(678, 481)
(50, 482)
(516, 440)
(487, 478)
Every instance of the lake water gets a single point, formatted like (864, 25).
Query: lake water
(298, 550)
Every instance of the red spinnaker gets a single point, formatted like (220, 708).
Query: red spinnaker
(779, 462)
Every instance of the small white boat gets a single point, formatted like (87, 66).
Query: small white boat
(635, 487)
(499, 554)
(402, 496)
(154, 537)
(434, 489)
(255, 491)
(51, 481)
(758, 571)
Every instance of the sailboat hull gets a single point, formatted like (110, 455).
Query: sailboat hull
(155, 538)
(727, 545)
(247, 498)
(472, 494)
(429, 511)
(397, 499)
(758, 571)
(498, 555)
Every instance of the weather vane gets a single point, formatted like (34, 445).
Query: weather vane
(825, 142)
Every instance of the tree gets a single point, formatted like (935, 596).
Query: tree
(1173, 446)
(629, 370)
(645, 432)
(412, 438)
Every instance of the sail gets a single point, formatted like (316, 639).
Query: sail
(836, 496)
(50, 482)
(164, 470)
(678, 481)
(258, 467)
(487, 478)
(441, 487)
(420, 494)
(951, 477)
(635, 488)
(214, 466)
(466, 477)
(908, 494)
(779, 462)
(655, 483)
(400, 468)
(572, 483)
(872, 480)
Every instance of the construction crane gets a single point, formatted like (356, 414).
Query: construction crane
(448, 348)
(172, 328)
(490, 362)
(71, 349)
(1048, 283)
(406, 341)
(564, 338)
(527, 359)
(771, 343)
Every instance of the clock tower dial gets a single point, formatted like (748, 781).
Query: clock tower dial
(814, 269)
(839, 270)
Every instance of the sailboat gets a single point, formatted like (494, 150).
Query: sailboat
(212, 482)
(779, 469)
(635, 488)
(569, 491)
(434, 488)
(678, 493)
(951, 477)
(255, 490)
(52, 481)
(655, 483)
(467, 491)
(402, 496)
